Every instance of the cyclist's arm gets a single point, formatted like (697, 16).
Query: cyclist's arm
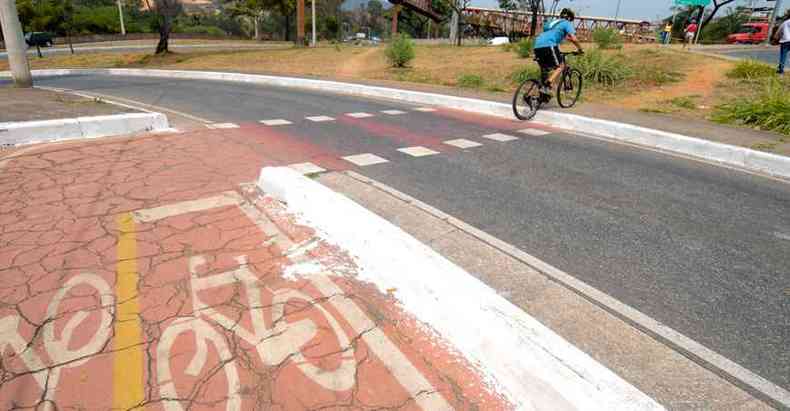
(575, 40)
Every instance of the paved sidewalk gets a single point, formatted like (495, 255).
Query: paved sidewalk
(17, 104)
(143, 269)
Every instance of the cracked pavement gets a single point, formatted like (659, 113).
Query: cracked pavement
(143, 273)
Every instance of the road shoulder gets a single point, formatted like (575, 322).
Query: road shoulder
(653, 368)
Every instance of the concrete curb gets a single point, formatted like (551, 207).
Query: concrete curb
(732, 156)
(29, 132)
(542, 370)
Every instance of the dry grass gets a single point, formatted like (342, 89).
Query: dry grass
(661, 74)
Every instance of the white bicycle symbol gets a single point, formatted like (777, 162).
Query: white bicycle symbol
(274, 344)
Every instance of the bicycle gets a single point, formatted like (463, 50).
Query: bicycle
(569, 89)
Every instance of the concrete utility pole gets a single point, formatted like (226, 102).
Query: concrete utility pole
(772, 23)
(15, 44)
(312, 2)
(120, 13)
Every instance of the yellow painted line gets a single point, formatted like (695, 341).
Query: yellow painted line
(127, 369)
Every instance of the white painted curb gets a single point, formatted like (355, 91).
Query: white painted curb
(29, 132)
(525, 361)
(732, 156)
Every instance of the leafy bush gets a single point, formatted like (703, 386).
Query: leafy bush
(686, 102)
(530, 72)
(524, 47)
(751, 69)
(599, 68)
(769, 110)
(507, 47)
(208, 30)
(470, 81)
(400, 51)
(607, 38)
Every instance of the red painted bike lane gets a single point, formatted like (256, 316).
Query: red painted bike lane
(141, 274)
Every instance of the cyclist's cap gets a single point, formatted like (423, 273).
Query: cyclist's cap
(567, 14)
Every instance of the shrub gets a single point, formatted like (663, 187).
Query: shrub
(507, 47)
(603, 69)
(607, 38)
(524, 47)
(470, 81)
(530, 72)
(768, 110)
(751, 69)
(208, 30)
(400, 51)
(686, 102)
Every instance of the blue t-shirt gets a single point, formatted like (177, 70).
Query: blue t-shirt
(554, 33)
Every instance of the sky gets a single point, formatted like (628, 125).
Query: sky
(629, 9)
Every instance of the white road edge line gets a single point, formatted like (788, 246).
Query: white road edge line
(149, 215)
(729, 370)
(124, 102)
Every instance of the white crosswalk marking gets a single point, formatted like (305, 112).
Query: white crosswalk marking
(500, 137)
(359, 115)
(276, 122)
(319, 119)
(425, 109)
(393, 112)
(462, 143)
(306, 168)
(366, 159)
(534, 132)
(222, 125)
(418, 151)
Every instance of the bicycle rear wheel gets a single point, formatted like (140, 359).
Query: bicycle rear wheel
(569, 88)
(526, 101)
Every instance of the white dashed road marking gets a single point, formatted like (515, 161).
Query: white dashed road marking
(306, 168)
(359, 115)
(425, 109)
(365, 159)
(319, 119)
(277, 122)
(222, 125)
(462, 143)
(393, 112)
(500, 137)
(418, 151)
(534, 132)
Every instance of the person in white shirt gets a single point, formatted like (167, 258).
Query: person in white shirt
(783, 34)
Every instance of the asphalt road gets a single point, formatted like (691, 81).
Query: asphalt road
(703, 249)
(769, 56)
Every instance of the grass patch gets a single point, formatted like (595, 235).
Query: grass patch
(767, 110)
(685, 102)
(524, 47)
(764, 146)
(526, 73)
(470, 81)
(607, 38)
(750, 70)
(655, 110)
(602, 69)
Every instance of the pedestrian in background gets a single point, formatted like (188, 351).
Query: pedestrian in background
(691, 32)
(782, 37)
(666, 35)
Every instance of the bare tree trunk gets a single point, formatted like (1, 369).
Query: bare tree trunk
(164, 35)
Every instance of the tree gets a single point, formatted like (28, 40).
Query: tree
(457, 22)
(509, 6)
(166, 11)
(375, 11)
(535, 7)
(253, 9)
(717, 4)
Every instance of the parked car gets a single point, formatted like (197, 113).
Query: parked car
(496, 41)
(40, 39)
(750, 33)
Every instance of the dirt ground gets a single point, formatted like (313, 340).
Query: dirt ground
(36, 104)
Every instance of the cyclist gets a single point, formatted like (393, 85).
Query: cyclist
(547, 48)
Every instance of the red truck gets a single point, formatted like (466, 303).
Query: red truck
(750, 33)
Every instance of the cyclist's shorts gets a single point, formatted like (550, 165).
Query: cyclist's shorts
(549, 58)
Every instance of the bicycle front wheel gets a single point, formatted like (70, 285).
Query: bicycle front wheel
(569, 88)
(526, 101)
